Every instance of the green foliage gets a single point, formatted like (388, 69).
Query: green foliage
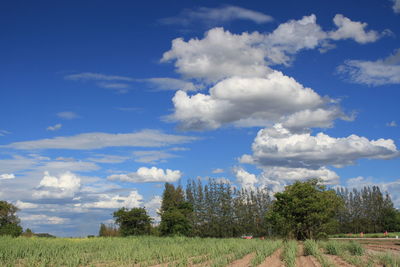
(290, 253)
(109, 230)
(132, 222)
(311, 248)
(355, 248)
(389, 260)
(367, 210)
(220, 211)
(333, 248)
(175, 212)
(303, 210)
(9, 222)
(128, 251)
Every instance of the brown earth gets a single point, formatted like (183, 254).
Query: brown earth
(305, 261)
(338, 261)
(274, 260)
(243, 262)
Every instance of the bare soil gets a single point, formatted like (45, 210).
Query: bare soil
(338, 261)
(243, 262)
(274, 260)
(305, 261)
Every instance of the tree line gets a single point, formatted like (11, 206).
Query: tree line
(214, 209)
(303, 210)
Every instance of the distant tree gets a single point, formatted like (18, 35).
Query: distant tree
(175, 212)
(108, 230)
(133, 222)
(304, 210)
(28, 233)
(9, 222)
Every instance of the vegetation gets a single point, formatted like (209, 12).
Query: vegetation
(305, 210)
(118, 251)
(175, 212)
(108, 230)
(290, 253)
(367, 210)
(9, 222)
(132, 222)
(311, 248)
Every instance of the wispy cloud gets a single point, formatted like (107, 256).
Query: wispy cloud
(172, 84)
(373, 73)
(152, 156)
(396, 6)
(391, 124)
(54, 127)
(4, 132)
(144, 138)
(68, 115)
(216, 16)
(92, 76)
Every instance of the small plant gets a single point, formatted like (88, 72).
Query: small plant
(389, 260)
(355, 248)
(333, 248)
(290, 253)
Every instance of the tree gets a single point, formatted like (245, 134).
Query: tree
(175, 212)
(9, 222)
(109, 230)
(304, 210)
(133, 222)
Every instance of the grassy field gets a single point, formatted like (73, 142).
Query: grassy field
(368, 235)
(181, 251)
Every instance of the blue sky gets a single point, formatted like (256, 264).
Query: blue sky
(101, 103)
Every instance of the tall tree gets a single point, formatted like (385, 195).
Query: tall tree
(175, 212)
(9, 222)
(133, 222)
(304, 210)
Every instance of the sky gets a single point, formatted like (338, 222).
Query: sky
(102, 102)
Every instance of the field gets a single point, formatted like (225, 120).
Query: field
(180, 251)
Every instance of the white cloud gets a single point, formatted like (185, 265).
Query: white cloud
(68, 115)
(277, 146)
(218, 55)
(391, 124)
(64, 186)
(247, 180)
(218, 170)
(153, 207)
(152, 156)
(396, 6)
(4, 132)
(26, 205)
(217, 16)
(107, 201)
(43, 219)
(102, 158)
(144, 138)
(6, 176)
(221, 54)
(148, 175)
(172, 84)
(86, 76)
(254, 102)
(54, 127)
(348, 29)
(373, 73)
(284, 174)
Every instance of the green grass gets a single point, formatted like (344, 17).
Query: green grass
(311, 248)
(388, 260)
(290, 253)
(117, 251)
(265, 251)
(350, 251)
(368, 235)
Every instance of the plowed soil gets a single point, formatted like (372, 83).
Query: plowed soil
(274, 260)
(243, 262)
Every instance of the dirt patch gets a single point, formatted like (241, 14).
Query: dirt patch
(338, 261)
(305, 261)
(243, 262)
(274, 260)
